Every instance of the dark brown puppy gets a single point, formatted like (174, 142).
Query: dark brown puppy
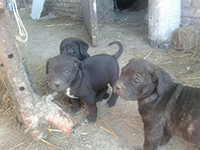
(167, 108)
(75, 48)
(85, 79)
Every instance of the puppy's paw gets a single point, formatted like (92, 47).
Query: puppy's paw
(90, 119)
(110, 103)
(106, 96)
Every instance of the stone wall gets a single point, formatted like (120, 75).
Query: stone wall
(190, 9)
(190, 12)
(70, 8)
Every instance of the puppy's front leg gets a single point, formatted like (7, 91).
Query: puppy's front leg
(91, 118)
(112, 101)
(153, 135)
(165, 139)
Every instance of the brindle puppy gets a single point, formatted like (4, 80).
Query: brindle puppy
(167, 108)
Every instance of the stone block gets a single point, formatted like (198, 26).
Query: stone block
(186, 38)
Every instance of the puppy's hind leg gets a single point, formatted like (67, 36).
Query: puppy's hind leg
(102, 94)
(165, 139)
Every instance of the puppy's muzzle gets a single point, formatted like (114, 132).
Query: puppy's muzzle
(118, 87)
(57, 84)
(121, 90)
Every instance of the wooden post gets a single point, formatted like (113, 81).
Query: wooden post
(36, 112)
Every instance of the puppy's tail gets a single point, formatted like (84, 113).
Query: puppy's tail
(118, 54)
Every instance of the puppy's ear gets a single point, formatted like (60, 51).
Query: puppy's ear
(151, 70)
(62, 46)
(164, 80)
(78, 64)
(83, 47)
(47, 66)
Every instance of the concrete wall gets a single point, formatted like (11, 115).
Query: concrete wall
(190, 12)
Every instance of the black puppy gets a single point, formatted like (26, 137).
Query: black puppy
(74, 47)
(85, 79)
(167, 108)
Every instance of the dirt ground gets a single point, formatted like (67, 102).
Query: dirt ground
(123, 120)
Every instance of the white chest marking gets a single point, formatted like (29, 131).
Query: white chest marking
(68, 93)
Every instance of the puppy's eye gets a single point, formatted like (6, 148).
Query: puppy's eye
(136, 80)
(50, 72)
(67, 72)
(70, 50)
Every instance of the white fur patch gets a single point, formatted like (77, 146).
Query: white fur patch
(68, 93)
(191, 129)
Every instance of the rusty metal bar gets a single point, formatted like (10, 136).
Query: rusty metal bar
(36, 112)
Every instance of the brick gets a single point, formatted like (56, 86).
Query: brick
(189, 21)
(185, 21)
(196, 3)
(72, 5)
(70, 8)
(186, 3)
(74, 1)
(66, 5)
(191, 12)
(59, 5)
